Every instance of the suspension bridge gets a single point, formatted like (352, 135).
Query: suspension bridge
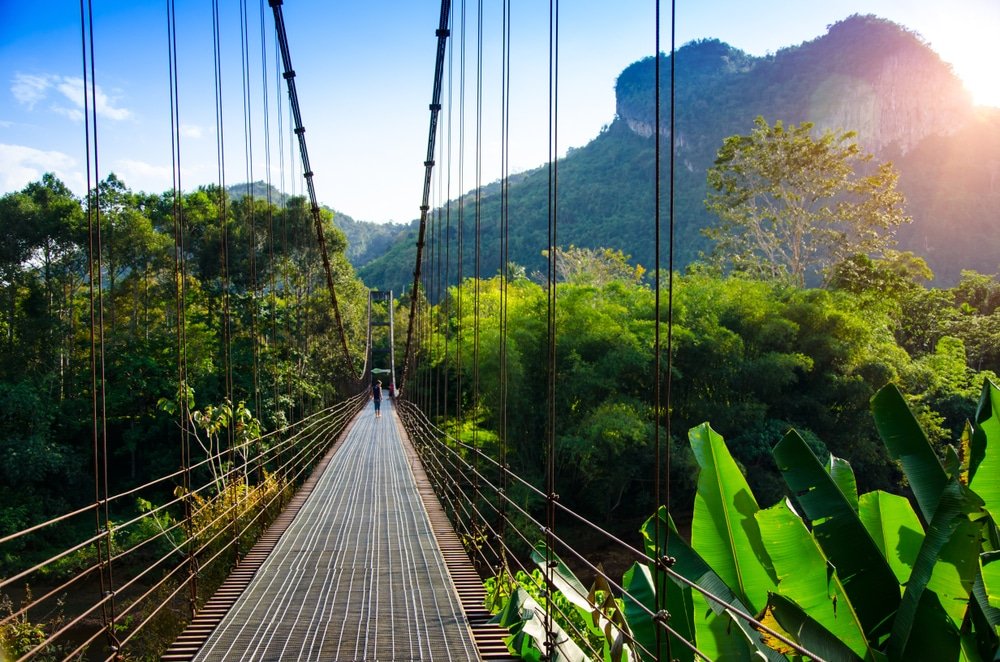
(342, 535)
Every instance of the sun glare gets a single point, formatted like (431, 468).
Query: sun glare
(981, 79)
(963, 36)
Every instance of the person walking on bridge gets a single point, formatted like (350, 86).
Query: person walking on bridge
(377, 397)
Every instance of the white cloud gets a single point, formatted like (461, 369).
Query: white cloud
(29, 89)
(143, 176)
(72, 89)
(192, 131)
(75, 114)
(6, 124)
(21, 165)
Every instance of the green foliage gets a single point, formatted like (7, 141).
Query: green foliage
(791, 204)
(846, 578)
(265, 321)
(19, 635)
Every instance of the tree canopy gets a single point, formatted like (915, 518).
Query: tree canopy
(791, 204)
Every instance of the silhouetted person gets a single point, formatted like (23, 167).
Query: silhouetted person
(377, 398)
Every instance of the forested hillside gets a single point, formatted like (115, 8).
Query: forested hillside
(866, 75)
(256, 315)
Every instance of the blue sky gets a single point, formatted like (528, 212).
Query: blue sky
(364, 73)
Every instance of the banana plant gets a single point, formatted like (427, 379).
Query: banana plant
(845, 576)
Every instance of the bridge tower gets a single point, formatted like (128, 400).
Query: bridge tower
(381, 345)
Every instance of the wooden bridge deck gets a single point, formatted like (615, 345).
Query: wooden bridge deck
(358, 574)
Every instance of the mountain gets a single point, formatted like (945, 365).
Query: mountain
(865, 74)
(366, 241)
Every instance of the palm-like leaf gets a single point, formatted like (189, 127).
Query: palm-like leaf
(805, 577)
(724, 530)
(638, 583)
(984, 465)
(842, 474)
(937, 593)
(867, 577)
(895, 528)
(907, 444)
(808, 632)
(715, 633)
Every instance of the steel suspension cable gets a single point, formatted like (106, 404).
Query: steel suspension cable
(504, 256)
(272, 304)
(180, 293)
(446, 301)
(442, 34)
(477, 240)
(658, 569)
(661, 408)
(222, 205)
(300, 131)
(251, 204)
(553, 253)
(97, 346)
(283, 248)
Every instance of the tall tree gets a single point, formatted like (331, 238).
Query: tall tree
(791, 204)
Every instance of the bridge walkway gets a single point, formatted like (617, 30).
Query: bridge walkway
(358, 574)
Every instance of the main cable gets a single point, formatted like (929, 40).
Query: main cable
(300, 131)
(442, 34)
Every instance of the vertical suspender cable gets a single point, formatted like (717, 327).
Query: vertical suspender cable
(459, 266)
(271, 279)
(446, 300)
(180, 294)
(477, 240)
(300, 131)
(222, 206)
(435, 107)
(550, 437)
(504, 208)
(660, 575)
(251, 210)
(283, 245)
(97, 375)
(662, 468)
(670, 245)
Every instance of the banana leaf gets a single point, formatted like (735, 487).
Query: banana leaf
(595, 616)
(990, 565)
(932, 635)
(724, 531)
(985, 606)
(984, 463)
(525, 619)
(842, 474)
(638, 583)
(807, 632)
(895, 528)
(715, 634)
(806, 578)
(566, 582)
(938, 589)
(907, 444)
(867, 577)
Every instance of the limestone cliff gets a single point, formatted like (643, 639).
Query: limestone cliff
(866, 74)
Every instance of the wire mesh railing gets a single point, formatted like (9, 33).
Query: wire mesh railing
(468, 483)
(161, 567)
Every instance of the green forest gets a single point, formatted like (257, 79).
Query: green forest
(257, 328)
(233, 290)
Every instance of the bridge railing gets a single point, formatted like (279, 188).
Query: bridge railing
(159, 549)
(470, 483)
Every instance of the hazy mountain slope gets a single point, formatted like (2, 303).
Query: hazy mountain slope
(866, 74)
